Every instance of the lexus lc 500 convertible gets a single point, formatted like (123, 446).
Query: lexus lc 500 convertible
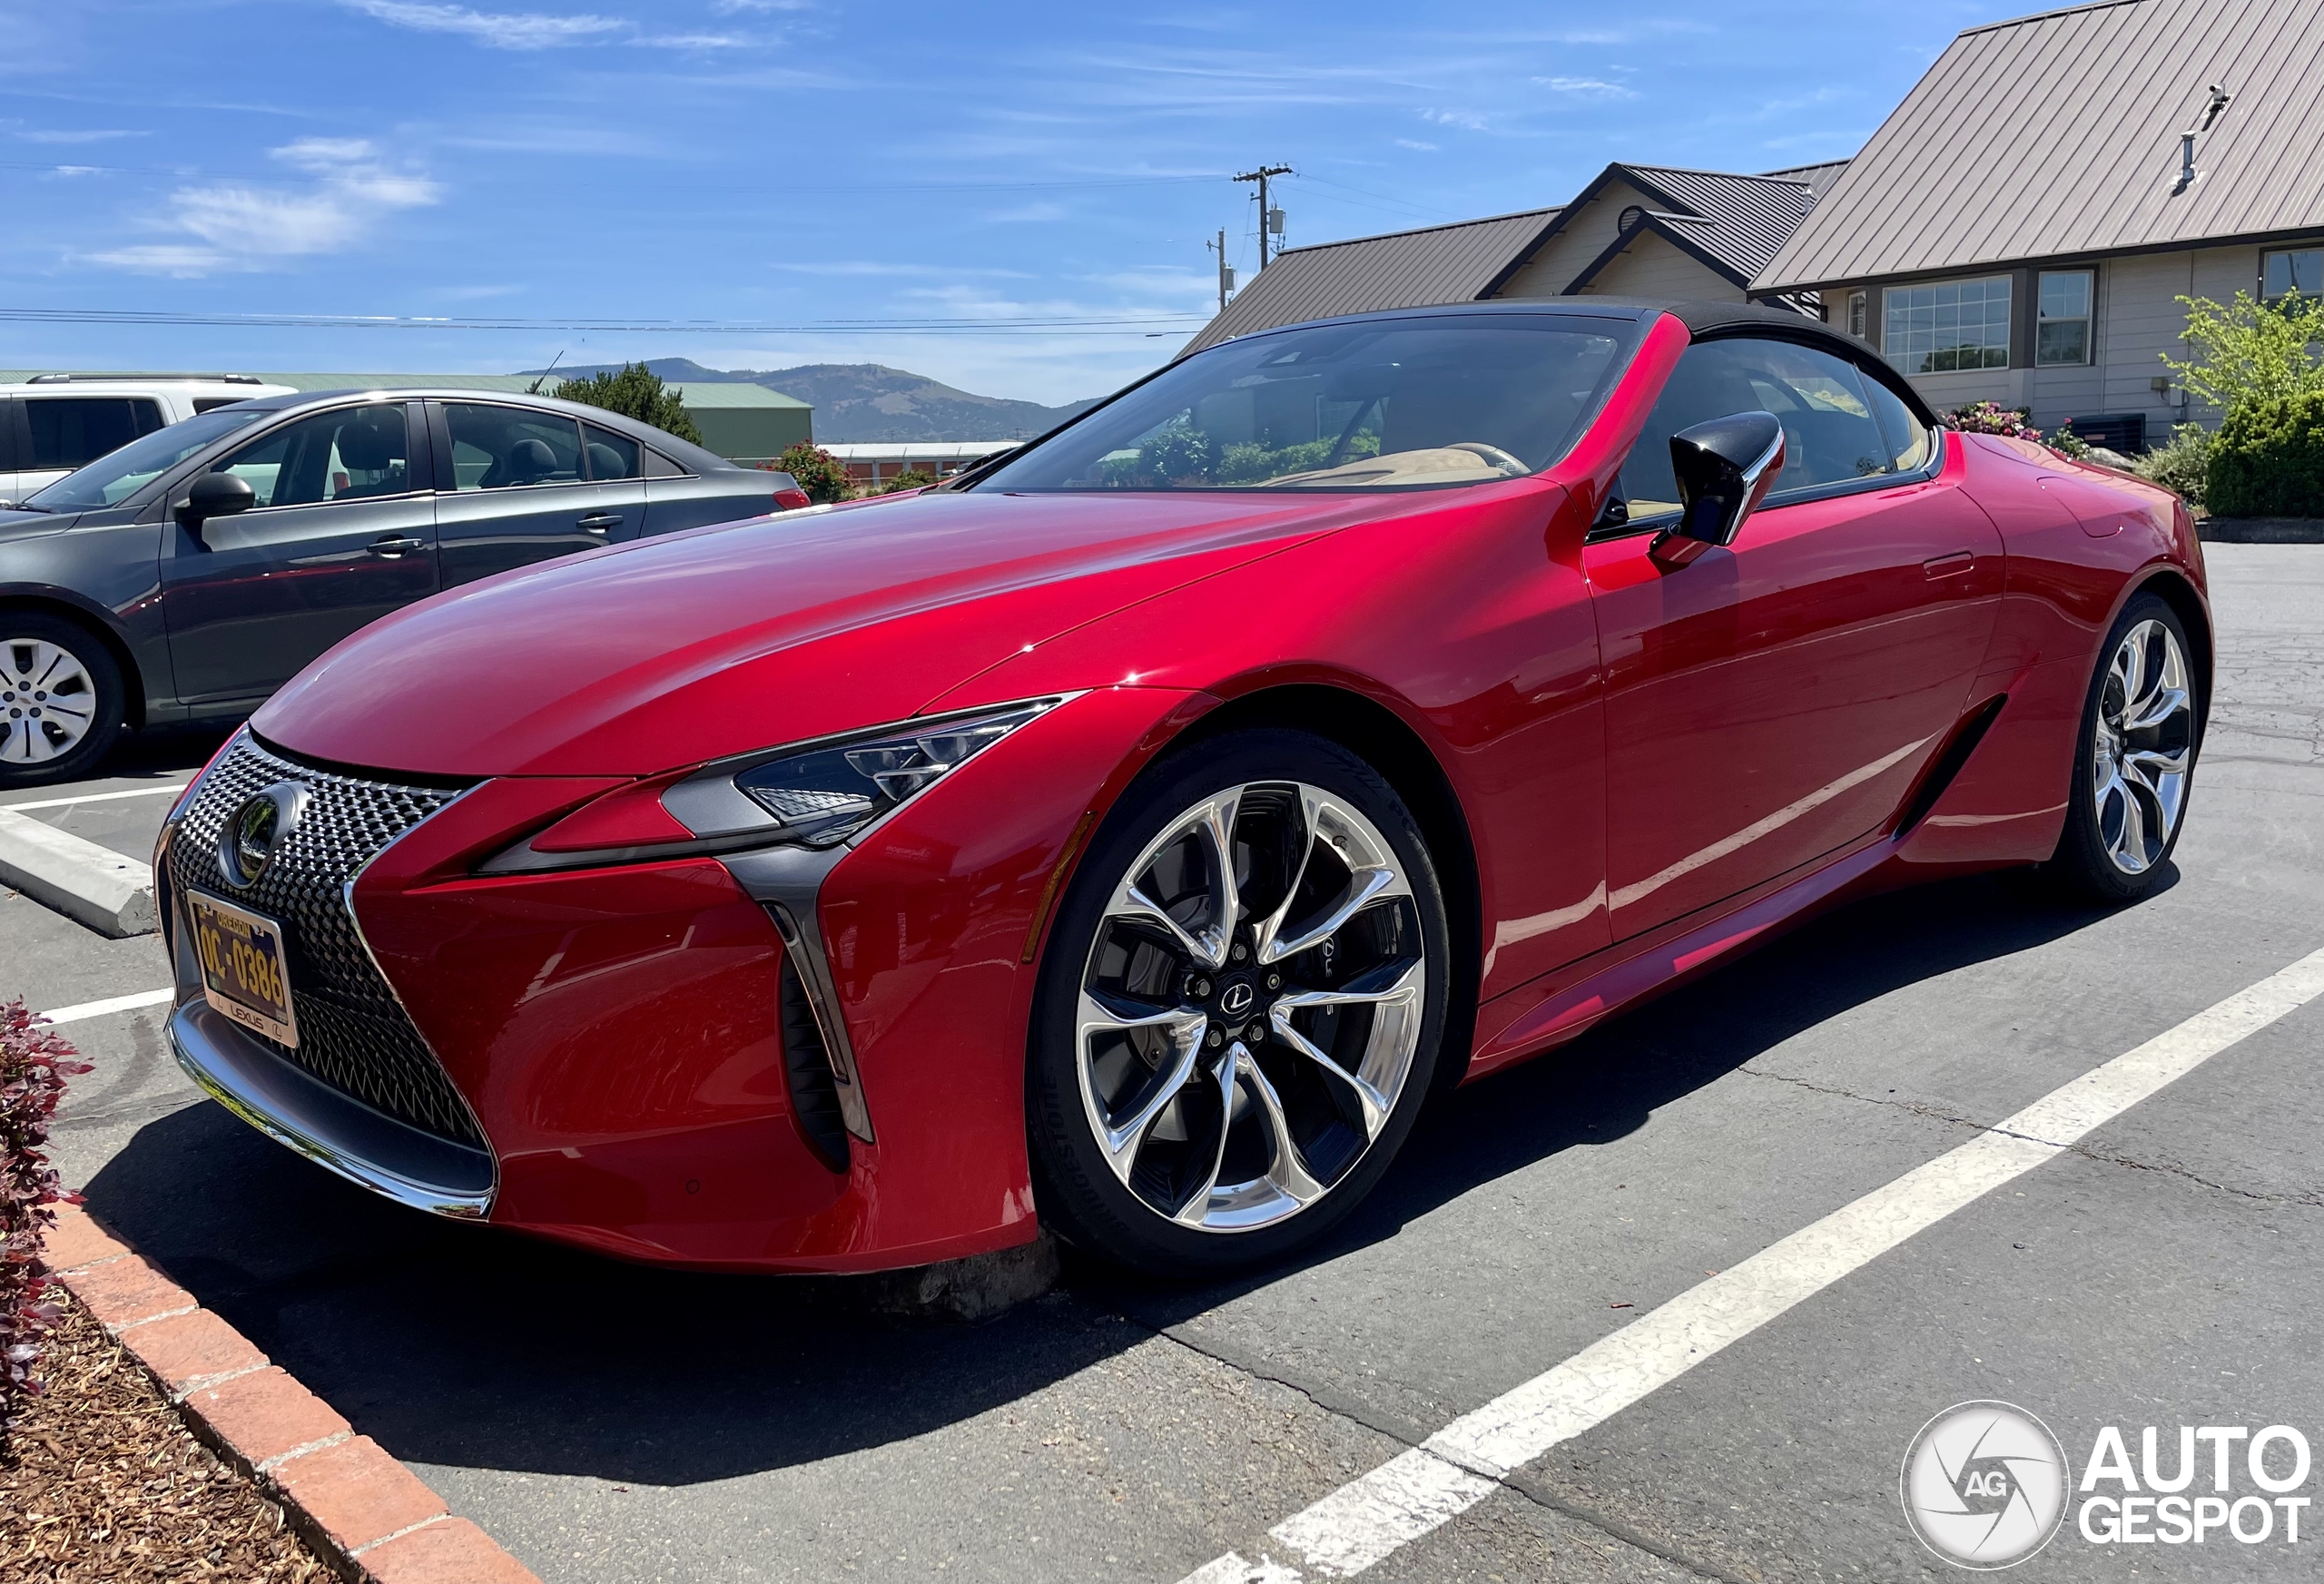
(1129, 835)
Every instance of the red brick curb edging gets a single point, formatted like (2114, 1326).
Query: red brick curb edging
(370, 1517)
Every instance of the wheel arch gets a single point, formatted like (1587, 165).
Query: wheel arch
(132, 678)
(2171, 585)
(1388, 742)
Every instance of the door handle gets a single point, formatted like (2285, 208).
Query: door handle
(1951, 566)
(601, 522)
(389, 547)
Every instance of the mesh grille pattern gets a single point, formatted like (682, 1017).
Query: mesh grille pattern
(353, 1033)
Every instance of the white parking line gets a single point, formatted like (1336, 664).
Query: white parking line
(99, 1008)
(1419, 1491)
(136, 792)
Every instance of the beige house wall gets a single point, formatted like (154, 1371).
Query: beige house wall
(2137, 318)
(1652, 267)
(1585, 235)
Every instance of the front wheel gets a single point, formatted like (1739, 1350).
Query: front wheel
(2133, 761)
(1240, 1007)
(61, 701)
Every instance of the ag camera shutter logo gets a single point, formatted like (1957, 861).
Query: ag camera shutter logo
(1985, 1485)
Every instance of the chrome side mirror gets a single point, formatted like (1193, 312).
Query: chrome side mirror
(1724, 469)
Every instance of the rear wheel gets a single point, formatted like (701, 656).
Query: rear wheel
(1240, 1010)
(61, 699)
(2134, 759)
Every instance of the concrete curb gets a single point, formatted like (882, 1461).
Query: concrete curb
(87, 883)
(370, 1518)
(2261, 530)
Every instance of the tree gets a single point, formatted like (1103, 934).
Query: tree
(2249, 350)
(821, 475)
(636, 391)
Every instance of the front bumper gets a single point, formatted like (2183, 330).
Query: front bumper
(327, 1126)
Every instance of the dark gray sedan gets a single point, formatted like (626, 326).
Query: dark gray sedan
(187, 575)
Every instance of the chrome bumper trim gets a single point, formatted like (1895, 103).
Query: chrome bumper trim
(335, 1131)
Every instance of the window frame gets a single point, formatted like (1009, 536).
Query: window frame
(2087, 318)
(2009, 322)
(439, 435)
(2266, 253)
(1860, 314)
(1868, 368)
(416, 449)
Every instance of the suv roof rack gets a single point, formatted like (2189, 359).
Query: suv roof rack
(206, 379)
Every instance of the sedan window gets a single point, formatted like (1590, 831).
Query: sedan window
(1392, 404)
(1831, 435)
(611, 455)
(351, 454)
(502, 447)
(118, 474)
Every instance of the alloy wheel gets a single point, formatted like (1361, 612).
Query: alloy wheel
(2144, 747)
(48, 701)
(1250, 1006)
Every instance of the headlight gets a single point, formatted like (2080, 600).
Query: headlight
(812, 794)
(824, 795)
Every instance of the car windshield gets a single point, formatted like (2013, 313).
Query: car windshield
(116, 476)
(1390, 404)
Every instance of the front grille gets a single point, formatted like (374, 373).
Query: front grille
(353, 1034)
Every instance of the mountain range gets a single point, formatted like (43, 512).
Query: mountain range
(870, 401)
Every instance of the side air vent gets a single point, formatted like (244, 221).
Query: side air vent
(1949, 762)
(814, 1092)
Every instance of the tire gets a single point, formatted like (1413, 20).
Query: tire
(1200, 1102)
(62, 702)
(2135, 761)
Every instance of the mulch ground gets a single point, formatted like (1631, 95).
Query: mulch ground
(102, 1483)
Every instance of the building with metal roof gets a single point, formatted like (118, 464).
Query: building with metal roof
(2021, 228)
(1635, 231)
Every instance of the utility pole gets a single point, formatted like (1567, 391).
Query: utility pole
(1226, 269)
(1270, 219)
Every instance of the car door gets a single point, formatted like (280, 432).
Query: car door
(341, 531)
(1775, 699)
(677, 501)
(514, 488)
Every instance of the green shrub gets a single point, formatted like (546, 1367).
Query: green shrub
(635, 392)
(910, 478)
(2268, 460)
(2248, 351)
(2179, 467)
(2066, 443)
(1989, 417)
(821, 475)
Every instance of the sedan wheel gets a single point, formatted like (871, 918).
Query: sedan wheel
(1257, 982)
(2137, 755)
(60, 699)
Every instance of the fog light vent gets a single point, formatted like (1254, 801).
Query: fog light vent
(814, 1092)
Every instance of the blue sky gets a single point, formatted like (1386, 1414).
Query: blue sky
(790, 162)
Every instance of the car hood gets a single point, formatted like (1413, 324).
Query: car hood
(24, 525)
(646, 657)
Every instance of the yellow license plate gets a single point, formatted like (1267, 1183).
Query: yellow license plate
(244, 972)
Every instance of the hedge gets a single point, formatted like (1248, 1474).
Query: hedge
(2268, 459)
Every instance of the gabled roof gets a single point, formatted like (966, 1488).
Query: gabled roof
(1732, 223)
(1407, 269)
(2057, 135)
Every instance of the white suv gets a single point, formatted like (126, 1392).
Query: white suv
(53, 423)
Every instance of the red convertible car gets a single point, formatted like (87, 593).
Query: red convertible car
(1128, 836)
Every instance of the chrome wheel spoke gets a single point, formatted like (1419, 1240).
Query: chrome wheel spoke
(2153, 710)
(1121, 1140)
(1197, 1207)
(1285, 1170)
(1401, 992)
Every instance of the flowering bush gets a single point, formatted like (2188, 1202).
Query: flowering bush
(1989, 417)
(34, 1064)
(821, 475)
(2066, 443)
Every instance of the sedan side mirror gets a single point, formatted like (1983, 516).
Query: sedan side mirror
(216, 495)
(1724, 469)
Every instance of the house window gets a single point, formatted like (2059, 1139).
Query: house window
(1856, 315)
(2299, 270)
(1960, 324)
(2061, 330)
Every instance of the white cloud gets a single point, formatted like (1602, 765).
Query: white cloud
(1587, 87)
(500, 30)
(106, 135)
(238, 227)
(729, 7)
(1412, 142)
(1469, 119)
(692, 41)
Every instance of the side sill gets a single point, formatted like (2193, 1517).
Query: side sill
(339, 1133)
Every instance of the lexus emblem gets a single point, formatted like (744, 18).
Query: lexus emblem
(256, 832)
(1237, 998)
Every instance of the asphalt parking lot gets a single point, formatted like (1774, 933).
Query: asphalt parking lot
(608, 1424)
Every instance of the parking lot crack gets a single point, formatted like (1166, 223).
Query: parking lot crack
(2312, 1200)
(1404, 1437)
